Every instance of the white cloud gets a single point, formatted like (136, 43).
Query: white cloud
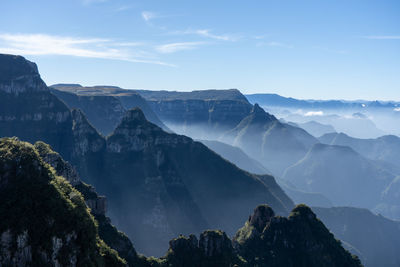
(275, 44)
(147, 16)
(397, 109)
(43, 44)
(314, 113)
(175, 47)
(383, 37)
(208, 34)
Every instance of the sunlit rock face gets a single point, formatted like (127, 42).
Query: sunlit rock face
(27, 108)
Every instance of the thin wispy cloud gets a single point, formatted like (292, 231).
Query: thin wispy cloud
(175, 47)
(383, 37)
(43, 44)
(147, 15)
(276, 44)
(208, 34)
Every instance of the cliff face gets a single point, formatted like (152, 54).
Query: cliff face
(44, 219)
(104, 106)
(104, 112)
(199, 114)
(26, 103)
(97, 204)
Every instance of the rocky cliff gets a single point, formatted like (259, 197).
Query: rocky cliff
(199, 114)
(44, 220)
(26, 103)
(298, 240)
(104, 106)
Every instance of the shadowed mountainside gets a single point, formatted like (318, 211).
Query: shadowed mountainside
(104, 106)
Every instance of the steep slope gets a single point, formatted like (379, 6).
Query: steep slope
(341, 174)
(104, 112)
(97, 204)
(374, 236)
(274, 144)
(298, 240)
(155, 181)
(236, 156)
(104, 106)
(44, 220)
(26, 103)
(385, 148)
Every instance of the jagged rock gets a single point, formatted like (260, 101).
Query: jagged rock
(298, 240)
(213, 249)
(87, 140)
(261, 217)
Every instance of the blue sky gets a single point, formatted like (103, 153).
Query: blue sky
(306, 49)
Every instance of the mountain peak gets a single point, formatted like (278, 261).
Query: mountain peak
(261, 217)
(19, 75)
(134, 115)
(257, 109)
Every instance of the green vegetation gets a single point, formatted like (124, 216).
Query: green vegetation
(34, 199)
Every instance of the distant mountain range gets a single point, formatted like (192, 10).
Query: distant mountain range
(277, 100)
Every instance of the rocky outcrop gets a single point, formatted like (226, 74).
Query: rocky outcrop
(18, 75)
(44, 220)
(213, 249)
(298, 240)
(26, 103)
(86, 138)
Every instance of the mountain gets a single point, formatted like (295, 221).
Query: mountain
(315, 128)
(375, 237)
(355, 124)
(26, 103)
(158, 185)
(236, 156)
(104, 106)
(383, 149)
(44, 220)
(281, 101)
(161, 184)
(97, 204)
(265, 240)
(298, 240)
(341, 174)
(201, 114)
(276, 145)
